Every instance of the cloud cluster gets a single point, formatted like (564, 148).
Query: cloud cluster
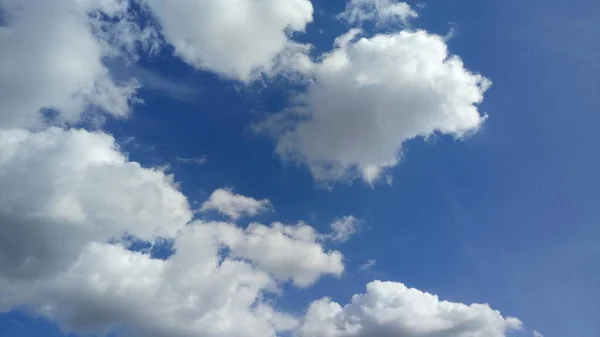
(365, 97)
(69, 197)
(71, 202)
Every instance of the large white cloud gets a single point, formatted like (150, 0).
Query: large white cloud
(235, 38)
(61, 189)
(369, 95)
(199, 290)
(52, 58)
(390, 309)
(66, 194)
(193, 293)
(224, 201)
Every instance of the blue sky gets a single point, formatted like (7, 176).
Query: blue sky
(506, 215)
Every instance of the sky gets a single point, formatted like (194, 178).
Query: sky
(299, 168)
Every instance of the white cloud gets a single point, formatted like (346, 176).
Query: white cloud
(343, 228)
(192, 293)
(52, 58)
(199, 290)
(286, 252)
(367, 265)
(67, 193)
(391, 309)
(537, 334)
(62, 189)
(233, 205)
(381, 11)
(233, 38)
(368, 96)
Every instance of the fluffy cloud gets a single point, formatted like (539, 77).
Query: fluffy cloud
(391, 309)
(112, 289)
(200, 289)
(380, 11)
(368, 96)
(66, 194)
(286, 252)
(233, 205)
(233, 38)
(343, 228)
(62, 189)
(52, 58)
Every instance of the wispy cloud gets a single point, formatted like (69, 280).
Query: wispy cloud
(367, 265)
(192, 160)
(155, 81)
(343, 228)
(152, 80)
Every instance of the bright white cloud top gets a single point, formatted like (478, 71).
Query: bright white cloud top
(194, 292)
(390, 309)
(71, 201)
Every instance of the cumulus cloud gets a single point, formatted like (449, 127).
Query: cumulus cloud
(67, 194)
(381, 11)
(368, 96)
(233, 205)
(67, 198)
(286, 252)
(236, 39)
(192, 293)
(390, 309)
(52, 59)
(343, 228)
(537, 334)
(64, 188)
(199, 290)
